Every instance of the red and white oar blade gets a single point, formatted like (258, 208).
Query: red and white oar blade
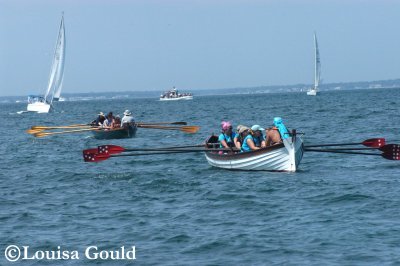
(391, 155)
(374, 143)
(95, 157)
(110, 149)
(88, 151)
(390, 148)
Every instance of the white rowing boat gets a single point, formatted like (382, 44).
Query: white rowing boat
(285, 156)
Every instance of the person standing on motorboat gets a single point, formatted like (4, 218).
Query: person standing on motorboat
(127, 119)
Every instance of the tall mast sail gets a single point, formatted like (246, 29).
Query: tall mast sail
(57, 70)
(317, 75)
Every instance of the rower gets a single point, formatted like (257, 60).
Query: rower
(127, 120)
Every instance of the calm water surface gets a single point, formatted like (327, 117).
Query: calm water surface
(178, 210)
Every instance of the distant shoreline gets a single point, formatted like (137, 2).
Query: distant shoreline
(384, 84)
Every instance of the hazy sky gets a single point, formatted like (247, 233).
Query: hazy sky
(206, 44)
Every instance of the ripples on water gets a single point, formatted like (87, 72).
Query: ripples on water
(177, 210)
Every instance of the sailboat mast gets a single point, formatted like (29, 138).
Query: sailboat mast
(317, 67)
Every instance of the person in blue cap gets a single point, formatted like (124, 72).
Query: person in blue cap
(255, 140)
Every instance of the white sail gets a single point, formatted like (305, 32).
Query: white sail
(43, 104)
(317, 64)
(317, 69)
(57, 70)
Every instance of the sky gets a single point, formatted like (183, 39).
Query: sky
(121, 45)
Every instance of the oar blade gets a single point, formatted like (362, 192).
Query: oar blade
(33, 131)
(110, 149)
(393, 148)
(395, 156)
(40, 134)
(89, 151)
(190, 129)
(374, 143)
(94, 157)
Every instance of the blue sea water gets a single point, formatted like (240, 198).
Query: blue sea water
(176, 209)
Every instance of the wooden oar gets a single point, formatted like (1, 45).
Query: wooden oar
(90, 156)
(186, 129)
(387, 155)
(58, 127)
(161, 123)
(40, 129)
(376, 143)
(44, 134)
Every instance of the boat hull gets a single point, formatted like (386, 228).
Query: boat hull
(312, 92)
(119, 133)
(39, 107)
(281, 157)
(177, 98)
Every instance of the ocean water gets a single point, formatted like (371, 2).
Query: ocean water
(177, 210)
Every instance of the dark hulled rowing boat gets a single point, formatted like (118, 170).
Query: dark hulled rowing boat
(117, 133)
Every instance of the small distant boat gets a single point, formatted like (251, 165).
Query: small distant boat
(283, 157)
(174, 94)
(43, 104)
(317, 70)
(117, 133)
(61, 99)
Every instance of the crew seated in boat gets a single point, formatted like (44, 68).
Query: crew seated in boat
(98, 122)
(254, 140)
(109, 122)
(272, 136)
(226, 138)
(127, 120)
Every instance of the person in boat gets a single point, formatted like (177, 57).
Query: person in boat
(127, 119)
(226, 138)
(254, 140)
(98, 122)
(272, 136)
(109, 122)
(238, 140)
(240, 136)
(117, 121)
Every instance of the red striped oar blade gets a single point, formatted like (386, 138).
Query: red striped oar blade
(110, 149)
(95, 157)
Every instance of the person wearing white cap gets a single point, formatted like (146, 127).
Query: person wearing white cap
(98, 122)
(127, 119)
(255, 140)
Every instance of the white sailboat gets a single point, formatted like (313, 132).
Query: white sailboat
(317, 68)
(43, 104)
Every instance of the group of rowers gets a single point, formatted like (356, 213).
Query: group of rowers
(111, 122)
(248, 139)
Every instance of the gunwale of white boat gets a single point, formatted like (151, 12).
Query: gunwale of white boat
(284, 157)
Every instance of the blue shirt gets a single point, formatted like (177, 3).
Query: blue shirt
(257, 142)
(227, 139)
